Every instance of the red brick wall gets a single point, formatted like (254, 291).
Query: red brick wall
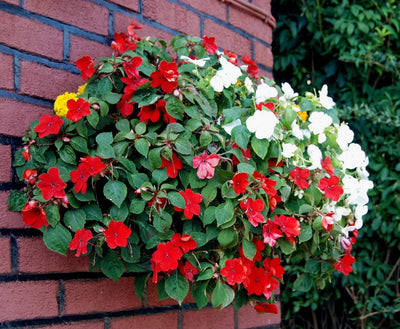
(39, 42)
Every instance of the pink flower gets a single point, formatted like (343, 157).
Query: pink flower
(206, 164)
(271, 232)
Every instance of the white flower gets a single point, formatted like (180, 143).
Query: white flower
(358, 214)
(229, 126)
(262, 123)
(315, 155)
(321, 138)
(357, 189)
(296, 131)
(265, 92)
(249, 85)
(225, 77)
(288, 91)
(197, 62)
(288, 150)
(324, 99)
(348, 229)
(319, 121)
(344, 136)
(353, 157)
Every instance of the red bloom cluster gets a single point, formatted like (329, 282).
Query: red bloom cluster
(253, 210)
(209, 44)
(88, 167)
(262, 307)
(172, 165)
(80, 241)
(327, 221)
(266, 184)
(166, 257)
(123, 42)
(77, 109)
(30, 176)
(331, 187)
(344, 264)
(131, 67)
(51, 184)
(246, 154)
(166, 77)
(282, 224)
(34, 215)
(327, 165)
(125, 105)
(232, 57)
(48, 124)
(85, 65)
(252, 67)
(117, 234)
(300, 177)
(192, 201)
(240, 182)
(269, 105)
(154, 111)
(205, 164)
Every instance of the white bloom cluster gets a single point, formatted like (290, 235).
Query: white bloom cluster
(226, 77)
(262, 123)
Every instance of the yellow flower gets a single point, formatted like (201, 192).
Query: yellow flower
(60, 105)
(303, 115)
(81, 89)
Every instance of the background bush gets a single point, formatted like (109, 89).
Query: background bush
(353, 47)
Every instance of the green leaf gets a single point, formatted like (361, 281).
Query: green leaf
(177, 287)
(232, 114)
(313, 266)
(106, 68)
(177, 200)
(104, 138)
(303, 283)
(140, 284)
(75, 219)
(218, 295)
(142, 146)
(175, 108)
(159, 175)
(131, 253)
(137, 206)
(155, 158)
(305, 233)
(93, 212)
(17, 200)
(241, 136)
(200, 294)
(119, 213)
(57, 239)
(205, 138)
(224, 212)
(260, 146)
(105, 85)
(52, 214)
(183, 146)
(115, 191)
(93, 119)
(226, 237)
(112, 266)
(162, 223)
(123, 125)
(209, 215)
(286, 246)
(67, 155)
(80, 144)
(249, 249)
(112, 98)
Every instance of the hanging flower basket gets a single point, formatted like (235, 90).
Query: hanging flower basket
(178, 163)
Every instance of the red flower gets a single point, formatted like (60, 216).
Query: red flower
(289, 225)
(327, 221)
(232, 57)
(234, 271)
(117, 234)
(209, 44)
(327, 165)
(30, 176)
(51, 184)
(252, 67)
(48, 125)
(123, 43)
(268, 105)
(205, 164)
(188, 270)
(166, 77)
(77, 109)
(124, 106)
(256, 282)
(273, 162)
(94, 166)
(192, 201)
(131, 67)
(260, 246)
(252, 209)
(300, 175)
(271, 285)
(80, 241)
(344, 264)
(33, 215)
(185, 242)
(26, 154)
(273, 201)
(80, 177)
(240, 182)
(274, 267)
(266, 184)
(85, 65)
(262, 307)
(172, 165)
(165, 258)
(271, 232)
(246, 154)
(331, 187)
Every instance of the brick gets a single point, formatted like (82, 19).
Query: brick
(263, 55)
(35, 257)
(249, 318)
(209, 318)
(81, 13)
(129, 4)
(104, 295)
(78, 325)
(263, 4)
(81, 47)
(41, 81)
(5, 255)
(9, 219)
(173, 16)
(28, 300)
(5, 163)
(122, 22)
(227, 39)
(13, 2)
(215, 8)
(6, 72)
(167, 320)
(266, 74)
(42, 39)
(258, 28)
(16, 116)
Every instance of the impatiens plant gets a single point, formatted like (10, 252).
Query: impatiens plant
(179, 164)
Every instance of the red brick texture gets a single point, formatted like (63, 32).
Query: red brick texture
(39, 43)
